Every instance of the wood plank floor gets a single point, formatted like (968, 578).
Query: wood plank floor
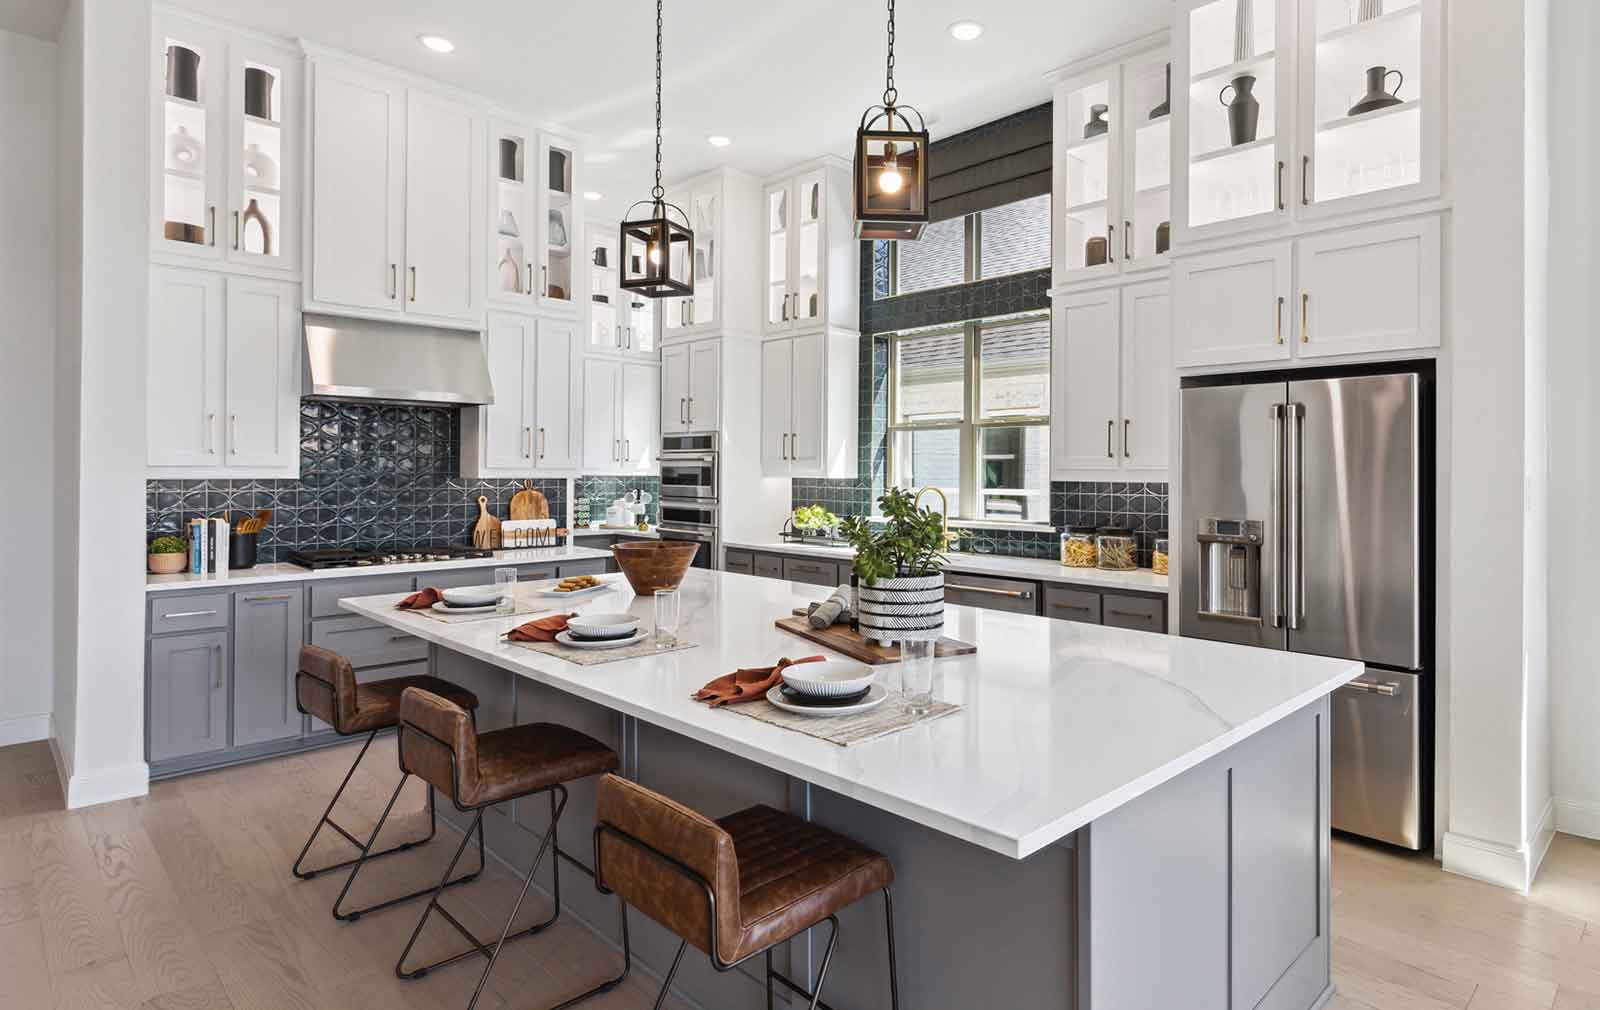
(182, 900)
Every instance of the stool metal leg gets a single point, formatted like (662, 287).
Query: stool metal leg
(362, 860)
(433, 903)
(327, 820)
(672, 972)
(556, 809)
(814, 997)
(894, 974)
(627, 964)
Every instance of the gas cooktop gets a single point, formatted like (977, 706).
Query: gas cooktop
(364, 557)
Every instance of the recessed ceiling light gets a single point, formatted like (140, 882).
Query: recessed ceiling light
(965, 31)
(716, 140)
(592, 195)
(437, 43)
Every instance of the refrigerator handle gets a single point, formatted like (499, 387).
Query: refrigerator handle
(1294, 546)
(1275, 591)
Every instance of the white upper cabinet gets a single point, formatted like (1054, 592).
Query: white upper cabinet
(724, 211)
(555, 433)
(1234, 306)
(226, 122)
(691, 387)
(224, 375)
(531, 428)
(559, 223)
(812, 258)
(1148, 382)
(620, 430)
(397, 198)
(536, 225)
(1113, 194)
(620, 322)
(809, 405)
(1368, 289)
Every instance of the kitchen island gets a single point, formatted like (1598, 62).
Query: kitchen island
(1113, 819)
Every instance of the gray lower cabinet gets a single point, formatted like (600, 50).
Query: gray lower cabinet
(739, 562)
(188, 695)
(1010, 595)
(769, 566)
(1068, 604)
(1139, 613)
(811, 572)
(587, 566)
(268, 627)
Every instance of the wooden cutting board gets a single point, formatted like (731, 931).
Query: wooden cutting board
(486, 534)
(842, 640)
(529, 504)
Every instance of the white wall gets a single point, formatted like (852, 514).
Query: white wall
(27, 378)
(67, 399)
(1575, 417)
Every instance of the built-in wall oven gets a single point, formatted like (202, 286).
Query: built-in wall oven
(690, 489)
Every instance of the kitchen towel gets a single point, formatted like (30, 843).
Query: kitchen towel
(830, 611)
(846, 730)
(420, 600)
(749, 684)
(544, 629)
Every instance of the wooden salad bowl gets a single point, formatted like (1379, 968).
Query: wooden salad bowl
(654, 564)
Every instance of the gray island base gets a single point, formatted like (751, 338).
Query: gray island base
(1115, 820)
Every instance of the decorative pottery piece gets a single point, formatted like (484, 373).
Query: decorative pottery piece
(649, 566)
(1244, 30)
(252, 212)
(507, 225)
(1244, 112)
(1095, 251)
(558, 229)
(1378, 95)
(557, 182)
(183, 73)
(909, 608)
(1369, 9)
(1097, 124)
(1166, 102)
(184, 150)
(600, 256)
(259, 168)
(258, 93)
(183, 231)
(167, 564)
(510, 274)
(509, 149)
(1163, 237)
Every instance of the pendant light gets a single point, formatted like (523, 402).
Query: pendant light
(657, 252)
(891, 165)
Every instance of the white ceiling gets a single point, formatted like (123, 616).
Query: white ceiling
(786, 80)
(39, 18)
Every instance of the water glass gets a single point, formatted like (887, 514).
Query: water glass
(667, 612)
(505, 585)
(916, 676)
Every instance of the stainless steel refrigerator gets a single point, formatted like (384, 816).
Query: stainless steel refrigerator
(1304, 528)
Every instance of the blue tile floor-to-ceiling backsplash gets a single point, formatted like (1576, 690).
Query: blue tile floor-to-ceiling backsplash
(371, 475)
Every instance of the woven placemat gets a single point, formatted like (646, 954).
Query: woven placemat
(594, 657)
(525, 605)
(846, 730)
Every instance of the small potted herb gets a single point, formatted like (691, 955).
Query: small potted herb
(899, 569)
(814, 521)
(168, 554)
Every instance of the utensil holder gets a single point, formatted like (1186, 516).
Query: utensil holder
(242, 550)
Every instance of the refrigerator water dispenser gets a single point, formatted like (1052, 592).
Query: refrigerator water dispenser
(1230, 569)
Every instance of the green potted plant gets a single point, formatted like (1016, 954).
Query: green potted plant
(899, 569)
(168, 554)
(814, 521)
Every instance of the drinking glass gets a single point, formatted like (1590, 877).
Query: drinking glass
(667, 609)
(916, 676)
(505, 585)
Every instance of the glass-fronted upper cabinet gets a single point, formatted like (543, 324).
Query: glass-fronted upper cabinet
(539, 242)
(638, 325)
(560, 224)
(605, 312)
(1368, 101)
(705, 211)
(511, 208)
(1147, 161)
(1236, 67)
(225, 113)
(796, 251)
(780, 296)
(808, 240)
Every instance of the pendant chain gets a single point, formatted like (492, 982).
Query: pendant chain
(658, 193)
(889, 92)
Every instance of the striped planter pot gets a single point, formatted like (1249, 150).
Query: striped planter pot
(905, 609)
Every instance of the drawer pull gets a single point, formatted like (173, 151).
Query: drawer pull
(1015, 594)
(268, 599)
(1388, 690)
(400, 638)
(188, 613)
(1129, 613)
(1081, 608)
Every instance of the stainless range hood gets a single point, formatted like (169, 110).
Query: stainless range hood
(363, 359)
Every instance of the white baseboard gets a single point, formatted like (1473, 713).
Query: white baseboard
(1544, 832)
(62, 758)
(1578, 817)
(24, 729)
(119, 783)
(1503, 865)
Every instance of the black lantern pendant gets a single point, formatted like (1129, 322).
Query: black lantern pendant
(657, 251)
(891, 165)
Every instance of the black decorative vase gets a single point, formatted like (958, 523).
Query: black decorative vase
(1378, 95)
(1244, 112)
(183, 73)
(1095, 251)
(258, 93)
(1166, 100)
(1097, 124)
(508, 160)
(1163, 237)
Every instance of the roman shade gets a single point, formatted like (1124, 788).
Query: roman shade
(994, 164)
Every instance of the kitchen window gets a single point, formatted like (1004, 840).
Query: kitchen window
(970, 414)
(1010, 239)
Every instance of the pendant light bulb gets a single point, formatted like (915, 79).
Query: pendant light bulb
(655, 254)
(889, 178)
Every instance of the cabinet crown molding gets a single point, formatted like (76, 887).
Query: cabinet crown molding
(1116, 54)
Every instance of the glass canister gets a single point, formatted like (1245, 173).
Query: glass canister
(1078, 548)
(1117, 550)
(1158, 557)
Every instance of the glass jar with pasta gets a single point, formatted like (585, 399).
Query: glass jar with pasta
(1159, 556)
(1078, 547)
(1117, 549)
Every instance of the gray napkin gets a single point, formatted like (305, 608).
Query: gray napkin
(830, 611)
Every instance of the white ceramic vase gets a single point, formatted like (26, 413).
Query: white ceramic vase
(909, 608)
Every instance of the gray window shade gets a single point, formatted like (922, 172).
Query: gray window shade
(997, 163)
(938, 259)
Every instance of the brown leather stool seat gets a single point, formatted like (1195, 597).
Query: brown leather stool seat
(733, 887)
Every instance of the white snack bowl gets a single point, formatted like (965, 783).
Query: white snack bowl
(613, 625)
(829, 679)
(472, 596)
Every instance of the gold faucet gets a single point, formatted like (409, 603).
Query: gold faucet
(944, 512)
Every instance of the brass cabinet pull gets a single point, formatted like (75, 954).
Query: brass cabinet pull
(233, 434)
(783, 445)
(1305, 312)
(211, 434)
(527, 443)
(1081, 608)
(1015, 594)
(541, 443)
(413, 283)
(1110, 424)
(1279, 336)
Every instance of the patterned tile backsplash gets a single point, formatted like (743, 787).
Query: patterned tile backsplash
(371, 475)
(600, 492)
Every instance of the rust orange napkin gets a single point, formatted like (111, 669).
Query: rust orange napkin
(544, 629)
(420, 600)
(747, 684)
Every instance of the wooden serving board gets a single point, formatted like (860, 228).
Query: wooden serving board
(841, 639)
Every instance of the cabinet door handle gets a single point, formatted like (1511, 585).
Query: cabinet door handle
(218, 650)
(1128, 613)
(1079, 607)
(691, 410)
(1111, 243)
(1110, 425)
(527, 443)
(235, 231)
(1305, 179)
(394, 291)
(1278, 335)
(413, 283)
(544, 280)
(784, 315)
(211, 225)
(542, 443)
(627, 450)
(233, 434)
(616, 449)
(1305, 313)
(211, 434)
(399, 638)
(1279, 188)
(1126, 424)
(628, 340)
(188, 613)
(783, 445)
(269, 599)
(1013, 594)
(683, 410)
(1127, 233)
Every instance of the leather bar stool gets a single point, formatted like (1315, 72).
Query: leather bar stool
(440, 744)
(734, 887)
(325, 686)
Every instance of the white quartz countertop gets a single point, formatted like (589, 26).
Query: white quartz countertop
(1061, 722)
(282, 571)
(606, 531)
(1036, 569)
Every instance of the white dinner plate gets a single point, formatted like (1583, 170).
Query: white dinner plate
(576, 594)
(444, 608)
(565, 638)
(876, 696)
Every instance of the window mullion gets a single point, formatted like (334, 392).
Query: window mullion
(971, 475)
